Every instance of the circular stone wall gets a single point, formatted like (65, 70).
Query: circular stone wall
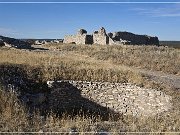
(125, 98)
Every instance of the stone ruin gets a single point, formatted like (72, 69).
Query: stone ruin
(102, 38)
(80, 38)
(126, 99)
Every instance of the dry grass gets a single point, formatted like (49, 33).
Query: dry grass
(93, 63)
(149, 57)
(68, 65)
(14, 118)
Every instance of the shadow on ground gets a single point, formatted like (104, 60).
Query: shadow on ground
(38, 48)
(62, 98)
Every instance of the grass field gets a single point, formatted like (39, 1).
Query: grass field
(92, 63)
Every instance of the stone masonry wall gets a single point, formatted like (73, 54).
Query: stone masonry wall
(117, 38)
(125, 99)
(69, 39)
(100, 37)
(80, 38)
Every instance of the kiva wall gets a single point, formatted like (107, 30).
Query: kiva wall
(124, 98)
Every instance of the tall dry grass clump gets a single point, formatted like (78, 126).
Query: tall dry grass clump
(13, 116)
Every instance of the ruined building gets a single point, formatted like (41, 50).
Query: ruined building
(80, 38)
(102, 38)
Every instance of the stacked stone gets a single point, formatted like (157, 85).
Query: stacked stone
(124, 98)
(80, 38)
(120, 38)
(100, 37)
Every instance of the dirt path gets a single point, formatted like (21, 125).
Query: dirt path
(158, 76)
(161, 77)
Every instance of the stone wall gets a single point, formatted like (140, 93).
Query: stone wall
(125, 99)
(69, 39)
(119, 38)
(80, 38)
(83, 39)
(100, 37)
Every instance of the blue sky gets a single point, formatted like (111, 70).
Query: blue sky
(56, 20)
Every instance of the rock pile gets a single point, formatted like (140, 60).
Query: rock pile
(12, 42)
(102, 38)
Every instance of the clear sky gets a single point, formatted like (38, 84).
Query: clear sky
(56, 20)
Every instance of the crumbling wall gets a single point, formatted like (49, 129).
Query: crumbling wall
(118, 38)
(125, 98)
(100, 37)
(69, 39)
(80, 38)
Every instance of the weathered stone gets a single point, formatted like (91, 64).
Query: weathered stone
(119, 38)
(80, 38)
(100, 37)
(133, 100)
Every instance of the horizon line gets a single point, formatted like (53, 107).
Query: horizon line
(95, 2)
